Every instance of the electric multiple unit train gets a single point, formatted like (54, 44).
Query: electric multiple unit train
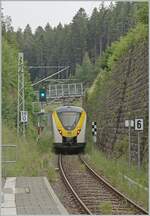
(69, 125)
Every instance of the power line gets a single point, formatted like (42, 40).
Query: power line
(42, 66)
(66, 68)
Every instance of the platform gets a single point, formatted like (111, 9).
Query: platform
(30, 196)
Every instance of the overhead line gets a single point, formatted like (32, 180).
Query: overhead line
(42, 66)
(50, 76)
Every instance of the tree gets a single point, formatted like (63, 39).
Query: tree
(67, 45)
(79, 36)
(93, 34)
(84, 72)
(19, 38)
(28, 44)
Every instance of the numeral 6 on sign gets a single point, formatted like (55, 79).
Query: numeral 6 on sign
(139, 124)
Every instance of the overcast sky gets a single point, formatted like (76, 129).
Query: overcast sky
(38, 13)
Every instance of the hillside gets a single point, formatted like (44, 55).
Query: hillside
(120, 92)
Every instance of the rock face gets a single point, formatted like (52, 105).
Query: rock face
(124, 96)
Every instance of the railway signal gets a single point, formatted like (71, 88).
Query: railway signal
(94, 131)
(42, 95)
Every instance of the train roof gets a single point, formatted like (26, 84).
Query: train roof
(69, 108)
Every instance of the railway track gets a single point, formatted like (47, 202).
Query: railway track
(92, 192)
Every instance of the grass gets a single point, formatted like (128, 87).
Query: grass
(115, 169)
(106, 207)
(33, 159)
(82, 168)
(45, 141)
(52, 175)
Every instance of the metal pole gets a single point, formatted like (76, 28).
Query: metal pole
(69, 91)
(50, 91)
(81, 89)
(21, 102)
(139, 162)
(95, 138)
(55, 90)
(18, 106)
(61, 90)
(81, 101)
(129, 144)
(75, 89)
(41, 106)
(32, 106)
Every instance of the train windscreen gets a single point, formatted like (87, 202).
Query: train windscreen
(69, 120)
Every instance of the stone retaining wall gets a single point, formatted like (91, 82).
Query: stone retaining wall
(126, 97)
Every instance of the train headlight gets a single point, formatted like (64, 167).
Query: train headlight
(60, 131)
(78, 131)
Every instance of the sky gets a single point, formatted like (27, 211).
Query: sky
(39, 13)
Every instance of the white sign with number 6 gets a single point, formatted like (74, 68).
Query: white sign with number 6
(24, 116)
(139, 124)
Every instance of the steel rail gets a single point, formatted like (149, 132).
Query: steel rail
(71, 188)
(112, 188)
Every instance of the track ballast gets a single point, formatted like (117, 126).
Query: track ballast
(92, 192)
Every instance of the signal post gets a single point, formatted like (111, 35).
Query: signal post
(42, 99)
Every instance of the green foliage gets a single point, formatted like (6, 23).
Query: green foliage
(140, 33)
(121, 146)
(10, 84)
(68, 44)
(85, 71)
(119, 48)
(115, 169)
(79, 35)
(32, 159)
(104, 64)
(52, 175)
(28, 158)
(141, 13)
(101, 61)
(45, 141)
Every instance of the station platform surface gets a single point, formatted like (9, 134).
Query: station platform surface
(30, 196)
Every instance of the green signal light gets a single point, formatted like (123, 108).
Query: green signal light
(42, 95)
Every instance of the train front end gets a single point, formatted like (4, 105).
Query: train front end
(69, 128)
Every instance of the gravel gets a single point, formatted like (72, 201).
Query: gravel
(62, 192)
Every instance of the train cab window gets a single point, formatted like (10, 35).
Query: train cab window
(69, 120)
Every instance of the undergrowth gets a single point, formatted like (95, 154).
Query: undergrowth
(32, 158)
(116, 169)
